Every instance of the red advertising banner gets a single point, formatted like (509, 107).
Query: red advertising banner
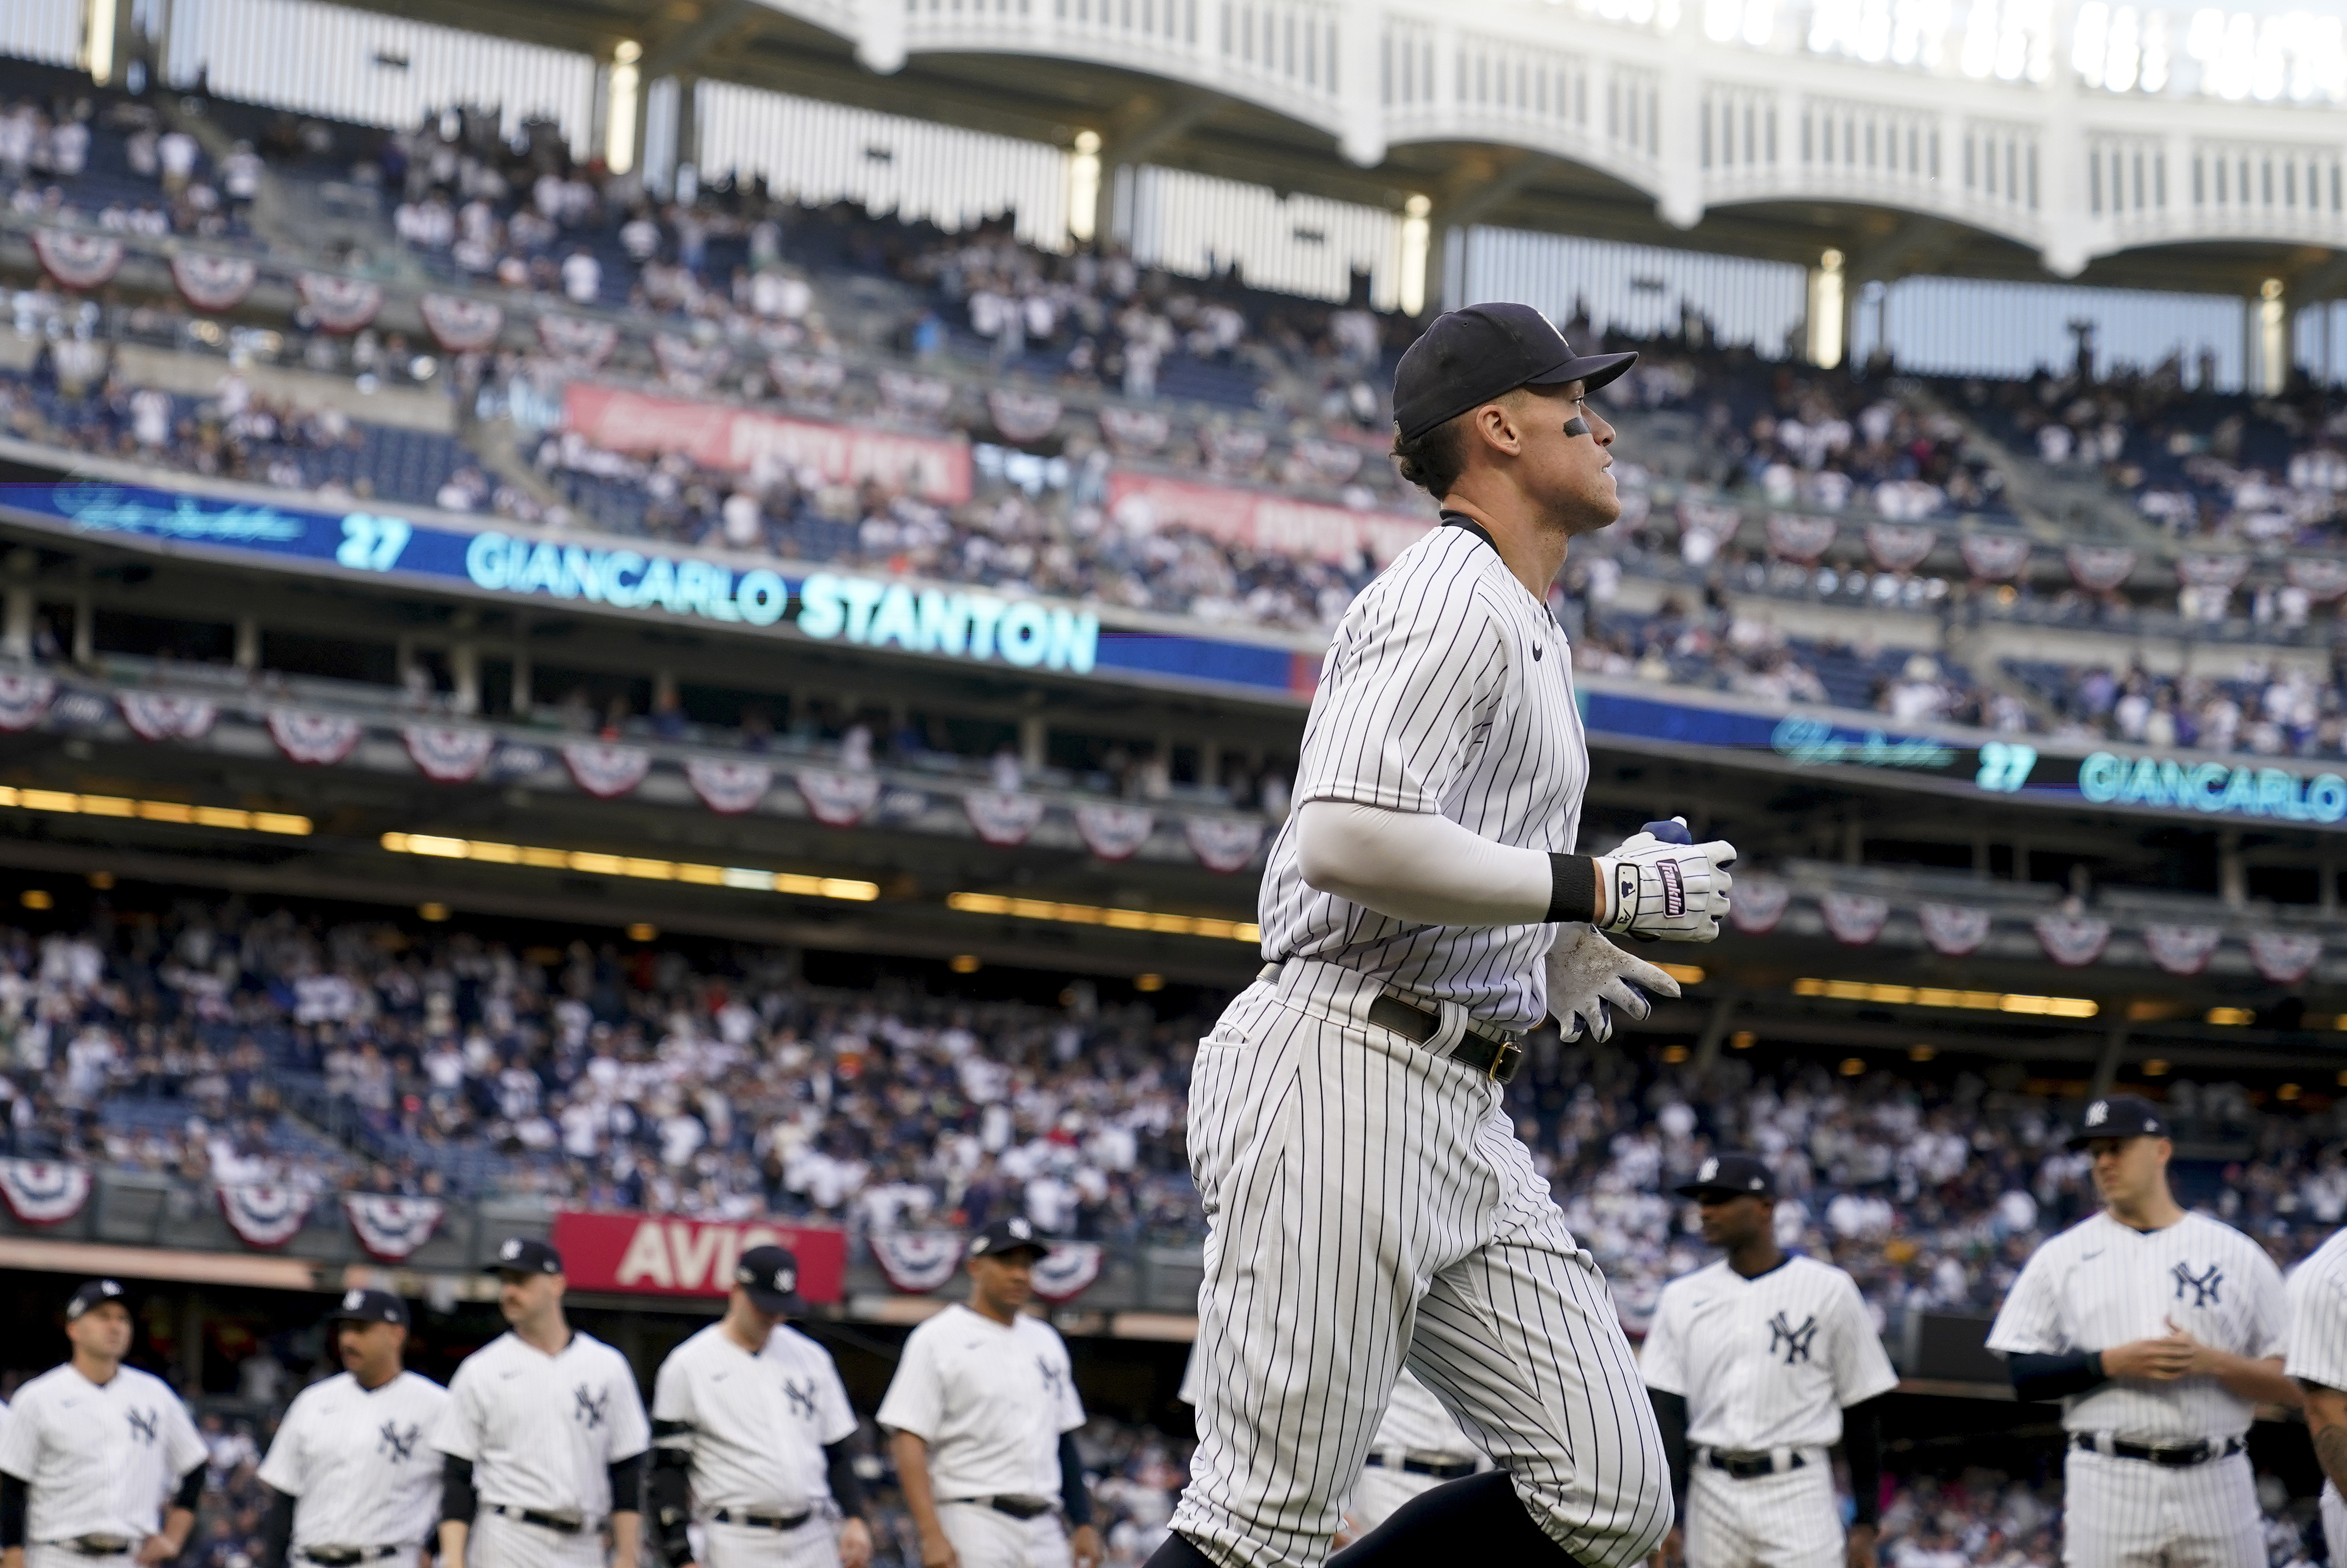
(735, 439)
(1258, 519)
(667, 1254)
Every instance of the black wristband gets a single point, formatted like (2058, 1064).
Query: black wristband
(1573, 893)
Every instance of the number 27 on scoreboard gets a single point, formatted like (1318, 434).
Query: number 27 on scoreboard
(2005, 767)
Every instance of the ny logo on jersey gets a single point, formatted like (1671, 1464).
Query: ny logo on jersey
(2203, 1287)
(1051, 1377)
(399, 1445)
(143, 1424)
(591, 1405)
(802, 1400)
(1794, 1339)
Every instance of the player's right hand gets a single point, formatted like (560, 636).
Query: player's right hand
(937, 1551)
(2163, 1360)
(1586, 974)
(1660, 891)
(1672, 1550)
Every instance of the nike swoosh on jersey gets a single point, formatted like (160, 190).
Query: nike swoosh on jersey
(2085, 1255)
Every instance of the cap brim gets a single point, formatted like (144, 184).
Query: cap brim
(1592, 370)
(1701, 1190)
(780, 1303)
(2085, 1135)
(1031, 1248)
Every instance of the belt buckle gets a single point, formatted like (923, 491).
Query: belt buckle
(1508, 1058)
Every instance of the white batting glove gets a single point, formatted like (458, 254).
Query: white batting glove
(1586, 972)
(1658, 891)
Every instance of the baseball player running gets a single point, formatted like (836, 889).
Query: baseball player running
(2160, 1331)
(91, 1451)
(1758, 1364)
(750, 1429)
(2317, 1361)
(1369, 1204)
(982, 1414)
(543, 1435)
(352, 1477)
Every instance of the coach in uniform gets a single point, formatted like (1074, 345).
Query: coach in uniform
(2160, 1331)
(982, 1414)
(90, 1450)
(2318, 1361)
(750, 1429)
(1758, 1364)
(1368, 1202)
(352, 1475)
(543, 1435)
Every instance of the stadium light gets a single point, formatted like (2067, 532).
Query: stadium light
(1095, 915)
(97, 42)
(643, 870)
(1083, 187)
(619, 123)
(1940, 996)
(1826, 311)
(176, 810)
(1417, 236)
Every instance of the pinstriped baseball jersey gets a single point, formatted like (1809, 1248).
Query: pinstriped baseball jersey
(2318, 1348)
(357, 1463)
(1768, 1362)
(1449, 688)
(2101, 1283)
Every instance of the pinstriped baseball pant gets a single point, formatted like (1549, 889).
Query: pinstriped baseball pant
(2131, 1513)
(2334, 1524)
(1368, 1203)
(1789, 1521)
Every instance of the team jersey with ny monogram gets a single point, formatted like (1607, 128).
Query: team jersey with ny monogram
(541, 1429)
(754, 1426)
(97, 1458)
(1765, 1363)
(990, 1401)
(2101, 1283)
(359, 1462)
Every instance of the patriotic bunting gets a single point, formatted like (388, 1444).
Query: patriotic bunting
(726, 787)
(214, 283)
(77, 259)
(1134, 431)
(319, 739)
(1023, 416)
(2284, 957)
(2073, 941)
(1233, 448)
(800, 376)
(1952, 930)
(164, 716)
(44, 1192)
(389, 1227)
(1854, 918)
(922, 394)
(1115, 832)
(1900, 547)
(459, 323)
(446, 752)
(606, 772)
(2181, 950)
(1758, 907)
(838, 799)
(1993, 558)
(1798, 539)
(683, 359)
(1222, 843)
(2213, 572)
(2321, 577)
(577, 340)
(265, 1214)
(2098, 569)
(1002, 819)
(340, 305)
(1334, 462)
(1067, 1271)
(24, 697)
(916, 1263)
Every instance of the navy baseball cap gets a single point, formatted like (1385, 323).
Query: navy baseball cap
(770, 1275)
(1013, 1235)
(95, 1293)
(1471, 356)
(1725, 1176)
(359, 1306)
(2118, 1116)
(523, 1254)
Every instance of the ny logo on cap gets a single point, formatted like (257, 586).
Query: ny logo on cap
(2098, 1112)
(1709, 1172)
(786, 1280)
(107, 1287)
(1023, 1230)
(354, 1300)
(511, 1250)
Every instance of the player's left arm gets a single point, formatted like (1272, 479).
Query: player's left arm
(1075, 1493)
(1861, 1448)
(185, 1455)
(1863, 1378)
(630, 1445)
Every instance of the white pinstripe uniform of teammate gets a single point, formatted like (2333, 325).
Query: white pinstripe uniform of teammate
(1418, 1447)
(1758, 1364)
(2160, 1331)
(2317, 1361)
(1369, 1204)
(353, 1479)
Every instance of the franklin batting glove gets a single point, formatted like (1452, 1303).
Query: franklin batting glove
(1587, 974)
(1658, 891)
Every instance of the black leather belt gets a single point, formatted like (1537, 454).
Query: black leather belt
(99, 1545)
(764, 1520)
(1750, 1467)
(1422, 1466)
(1496, 1056)
(556, 1522)
(1016, 1507)
(345, 1556)
(2177, 1456)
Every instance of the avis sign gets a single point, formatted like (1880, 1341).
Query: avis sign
(666, 1254)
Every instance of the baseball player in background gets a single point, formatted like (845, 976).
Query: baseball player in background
(981, 1416)
(91, 1451)
(2318, 1361)
(543, 1438)
(1369, 1204)
(352, 1475)
(1758, 1365)
(2160, 1331)
(750, 1429)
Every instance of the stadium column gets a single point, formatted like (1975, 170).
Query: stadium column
(2062, 165)
(1679, 203)
(1359, 93)
(105, 29)
(16, 622)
